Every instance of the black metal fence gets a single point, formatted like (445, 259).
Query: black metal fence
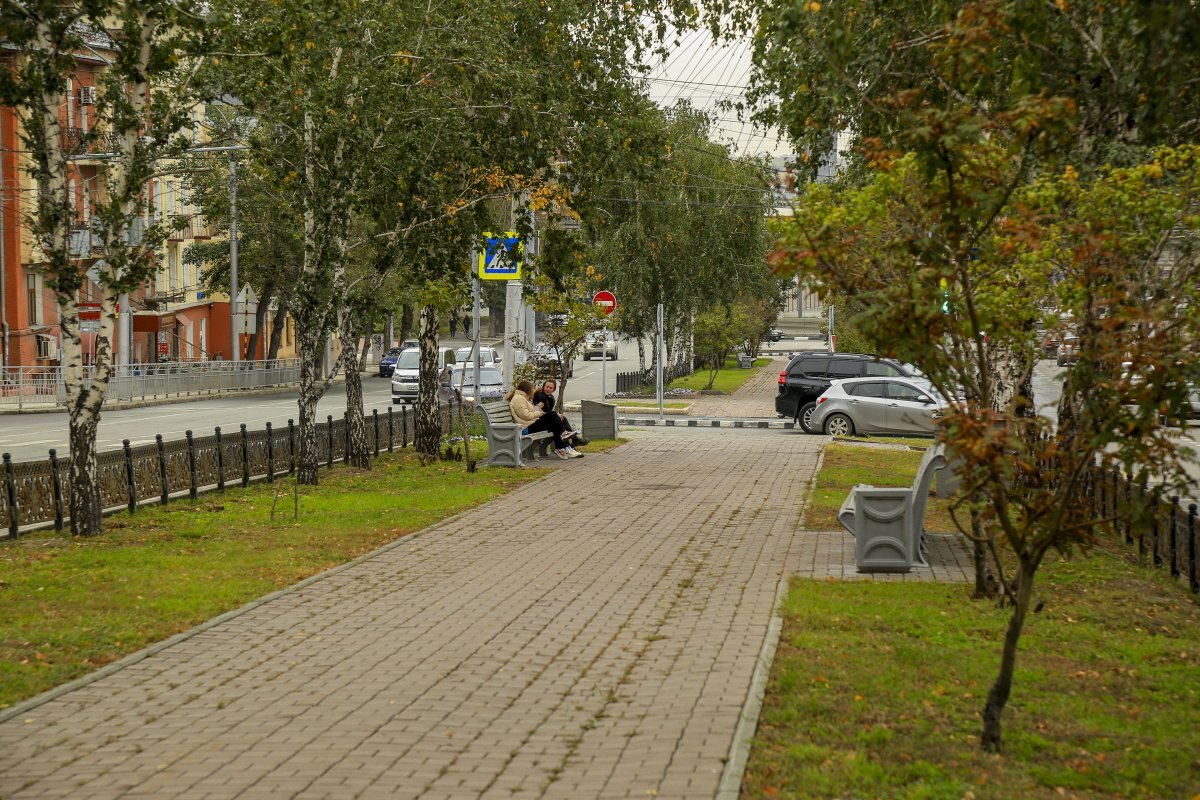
(35, 492)
(632, 382)
(1163, 530)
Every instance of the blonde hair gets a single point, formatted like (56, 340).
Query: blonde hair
(524, 386)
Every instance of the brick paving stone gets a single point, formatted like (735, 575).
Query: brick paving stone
(754, 398)
(591, 635)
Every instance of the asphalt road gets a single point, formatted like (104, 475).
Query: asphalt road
(30, 436)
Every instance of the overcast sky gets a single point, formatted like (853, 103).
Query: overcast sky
(706, 74)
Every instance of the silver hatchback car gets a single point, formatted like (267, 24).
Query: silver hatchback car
(902, 406)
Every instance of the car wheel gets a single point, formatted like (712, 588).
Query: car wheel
(804, 417)
(1060, 361)
(839, 425)
(586, 357)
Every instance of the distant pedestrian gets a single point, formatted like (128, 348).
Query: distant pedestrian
(453, 325)
(467, 325)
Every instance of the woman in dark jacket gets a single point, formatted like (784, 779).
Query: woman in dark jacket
(545, 396)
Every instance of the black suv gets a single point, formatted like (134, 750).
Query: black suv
(808, 375)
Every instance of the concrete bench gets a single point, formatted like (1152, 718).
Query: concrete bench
(888, 523)
(507, 445)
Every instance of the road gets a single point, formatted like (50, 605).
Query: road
(30, 436)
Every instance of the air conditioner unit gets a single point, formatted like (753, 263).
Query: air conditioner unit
(87, 95)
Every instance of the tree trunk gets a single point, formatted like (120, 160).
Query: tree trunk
(310, 393)
(407, 314)
(358, 454)
(985, 581)
(278, 325)
(428, 421)
(641, 357)
(85, 490)
(260, 321)
(998, 695)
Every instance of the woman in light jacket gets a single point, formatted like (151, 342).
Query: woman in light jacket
(534, 419)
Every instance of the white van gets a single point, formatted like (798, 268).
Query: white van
(406, 376)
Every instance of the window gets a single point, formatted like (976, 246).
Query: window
(33, 298)
(812, 366)
(845, 368)
(883, 369)
(871, 389)
(902, 391)
(45, 346)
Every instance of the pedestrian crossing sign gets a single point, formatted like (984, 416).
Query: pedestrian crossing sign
(501, 257)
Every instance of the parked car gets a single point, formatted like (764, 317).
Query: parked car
(1068, 350)
(406, 375)
(546, 359)
(595, 346)
(387, 364)
(461, 380)
(487, 355)
(774, 335)
(902, 406)
(808, 375)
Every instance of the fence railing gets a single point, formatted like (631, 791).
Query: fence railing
(633, 381)
(1165, 531)
(35, 493)
(22, 386)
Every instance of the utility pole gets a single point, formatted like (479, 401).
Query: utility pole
(832, 337)
(659, 352)
(234, 327)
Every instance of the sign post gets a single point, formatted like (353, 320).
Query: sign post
(660, 350)
(500, 260)
(606, 301)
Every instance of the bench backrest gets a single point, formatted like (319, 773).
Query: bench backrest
(498, 412)
(934, 459)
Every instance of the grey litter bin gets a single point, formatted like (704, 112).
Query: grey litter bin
(599, 419)
(745, 362)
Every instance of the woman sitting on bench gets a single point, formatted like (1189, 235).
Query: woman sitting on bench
(536, 419)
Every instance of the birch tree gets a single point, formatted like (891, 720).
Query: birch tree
(149, 53)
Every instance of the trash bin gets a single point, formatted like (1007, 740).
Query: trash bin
(599, 419)
(744, 361)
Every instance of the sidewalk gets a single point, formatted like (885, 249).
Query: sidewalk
(592, 635)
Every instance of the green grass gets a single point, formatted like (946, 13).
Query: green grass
(728, 380)
(877, 688)
(908, 441)
(845, 465)
(71, 605)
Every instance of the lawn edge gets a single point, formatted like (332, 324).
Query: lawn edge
(135, 657)
(730, 787)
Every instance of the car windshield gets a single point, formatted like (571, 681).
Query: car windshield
(409, 359)
(463, 355)
(487, 377)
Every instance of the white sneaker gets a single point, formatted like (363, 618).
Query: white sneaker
(563, 454)
(574, 453)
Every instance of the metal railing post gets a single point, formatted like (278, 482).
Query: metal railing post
(375, 422)
(56, 482)
(220, 461)
(1172, 540)
(129, 475)
(346, 437)
(391, 429)
(291, 447)
(245, 458)
(270, 455)
(329, 440)
(191, 449)
(404, 426)
(10, 487)
(162, 469)
(1193, 572)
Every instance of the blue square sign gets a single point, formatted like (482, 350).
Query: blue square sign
(501, 257)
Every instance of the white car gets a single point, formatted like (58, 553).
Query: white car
(901, 406)
(406, 375)
(487, 355)
(462, 382)
(595, 346)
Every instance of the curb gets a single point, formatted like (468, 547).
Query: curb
(730, 787)
(760, 424)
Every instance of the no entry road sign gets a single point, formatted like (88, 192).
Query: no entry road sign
(605, 300)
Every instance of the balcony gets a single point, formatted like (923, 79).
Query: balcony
(195, 226)
(78, 142)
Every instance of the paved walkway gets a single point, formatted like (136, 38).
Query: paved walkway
(755, 398)
(592, 635)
